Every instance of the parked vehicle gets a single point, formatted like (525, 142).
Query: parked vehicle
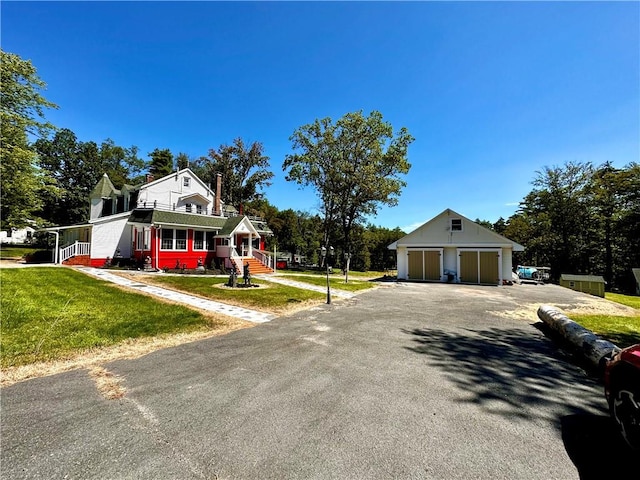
(537, 274)
(622, 389)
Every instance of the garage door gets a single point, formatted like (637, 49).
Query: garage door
(469, 267)
(480, 267)
(415, 265)
(489, 268)
(432, 265)
(424, 265)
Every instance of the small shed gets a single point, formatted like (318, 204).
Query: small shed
(592, 284)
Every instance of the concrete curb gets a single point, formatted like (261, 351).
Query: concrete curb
(594, 349)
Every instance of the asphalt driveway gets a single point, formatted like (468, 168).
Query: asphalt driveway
(407, 381)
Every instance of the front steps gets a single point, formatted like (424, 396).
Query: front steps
(255, 267)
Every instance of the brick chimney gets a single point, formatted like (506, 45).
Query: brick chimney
(217, 206)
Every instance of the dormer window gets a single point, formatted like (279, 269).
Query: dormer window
(186, 182)
(189, 208)
(456, 224)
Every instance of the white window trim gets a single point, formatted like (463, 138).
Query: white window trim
(451, 220)
(186, 182)
(174, 240)
(204, 241)
(143, 240)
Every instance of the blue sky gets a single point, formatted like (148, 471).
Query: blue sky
(491, 91)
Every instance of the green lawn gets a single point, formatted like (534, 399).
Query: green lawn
(10, 251)
(271, 297)
(628, 300)
(53, 313)
(623, 331)
(336, 282)
(336, 273)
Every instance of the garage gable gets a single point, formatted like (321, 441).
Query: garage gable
(451, 228)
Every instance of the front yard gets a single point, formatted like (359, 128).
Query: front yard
(54, 313)
(57, 313)
(621, 330)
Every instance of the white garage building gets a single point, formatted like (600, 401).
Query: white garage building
(452, 248)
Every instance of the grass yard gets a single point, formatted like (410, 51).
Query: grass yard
(336, 273)
(271, 297)
(628, 300)
(623, 331)
(56, 313)
(336, 282)
(11, 251)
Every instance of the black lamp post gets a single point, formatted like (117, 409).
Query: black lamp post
(325, 254)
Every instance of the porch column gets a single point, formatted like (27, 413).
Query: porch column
(250, 252)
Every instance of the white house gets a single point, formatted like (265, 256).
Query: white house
(17, 235)
(452, 248)
(176, 220)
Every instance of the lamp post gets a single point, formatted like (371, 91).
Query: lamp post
(347, 258)
(325, 253)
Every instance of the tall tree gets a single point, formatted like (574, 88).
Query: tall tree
(161, 163)
(22, 114)
(245, 171)
(76, 167)
(121, 164)
(355, 165)
(559, 194)
(581, 219)
(182, 161)
(614, 195)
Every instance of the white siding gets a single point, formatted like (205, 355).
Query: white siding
(109, 236)
(403, 265)
(168, 191)
(507, 263)
(451, 260)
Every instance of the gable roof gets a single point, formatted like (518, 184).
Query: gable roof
(582, 278)
(177, 174)
(235, 224)
(437, 233)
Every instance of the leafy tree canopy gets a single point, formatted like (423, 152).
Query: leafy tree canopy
(244, 170)
(355, 165)
(75, 167)
(582, 219)
(21, 114)
(161, 163)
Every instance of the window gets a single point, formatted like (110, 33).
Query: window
(181, 239)
(173, 239)
(189, 207)
(198, 240)
(456, 224)
(186, 181)
(143, 239)
(167, 239)
(107, 207)
(199, 209)
(211, 241)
